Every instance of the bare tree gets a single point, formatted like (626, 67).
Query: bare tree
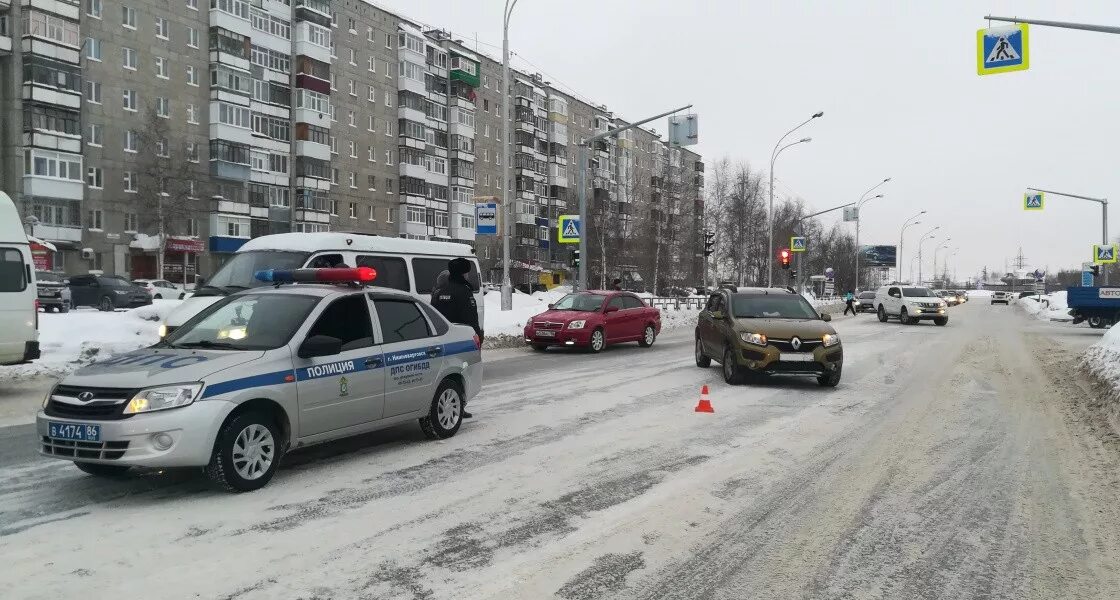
(169, 188)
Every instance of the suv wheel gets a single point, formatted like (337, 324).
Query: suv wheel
(941, 321)
(246, 453)
(732, 374)
(648, 335)
(105, 304)
(903, 317)
(702, 361)
(882, 314)
(446, 413)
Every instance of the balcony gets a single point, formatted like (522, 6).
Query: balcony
(59, 233)
(317, 11)
(313, 149)
(53, 187)
(302, 34)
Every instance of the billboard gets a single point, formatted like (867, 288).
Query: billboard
(877, 256)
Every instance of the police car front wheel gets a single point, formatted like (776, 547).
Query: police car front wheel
(446, 412)
(246, 453)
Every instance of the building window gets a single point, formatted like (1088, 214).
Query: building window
(95, 219)
(192, 227)
(371, 184)
(129, 100)
(161, 67)
(414, 214)
(128, 17)
(485, 130)
(237, 116)
(371, 212)
(389, 44)
(192, 152)
(93, 177)
(334, 178)
(95, 134)
(93, 92)
(128, 58)
(129, 181)
(353, 210)
(131, 141)
(163, 28)
(163, 107)
(192, 4)
(350, 119)
(485, 155)
(388, 157)
(353, 89)
(372, 94)
(353, 58)
(192, 75)
(353, 154)
(130, 222)
(93, 8)
(192, 37)
(372, 155)
(334, 145)
(192, 114)
(162, 149)
(93, 49)
(372, 65)
(389, 187)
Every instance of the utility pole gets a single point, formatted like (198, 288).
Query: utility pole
(507, 213)
(581, 283)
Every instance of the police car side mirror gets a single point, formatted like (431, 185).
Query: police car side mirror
(826, 317)
(320, 345)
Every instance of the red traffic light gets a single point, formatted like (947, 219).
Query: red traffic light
(784, 256)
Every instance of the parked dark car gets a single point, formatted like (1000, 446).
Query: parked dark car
(52, 291)
(107, 292)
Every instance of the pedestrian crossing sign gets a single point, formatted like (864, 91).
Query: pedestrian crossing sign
(1002, 49)
(568, 229)
(1104, 253)
(797, 244)
(1033, 201)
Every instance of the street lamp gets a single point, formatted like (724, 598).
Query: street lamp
(944, 246)
(770, 215)
(507, 213)
(909, 223)
(863, 200)
(927, 236)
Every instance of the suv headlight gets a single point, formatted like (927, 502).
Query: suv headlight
(830, 339)
(163, 398)
(753, 338)
(578, 324)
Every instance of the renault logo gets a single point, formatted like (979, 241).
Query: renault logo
(796, 343)
(85, 396)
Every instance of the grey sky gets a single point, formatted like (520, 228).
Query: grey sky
(897, 82)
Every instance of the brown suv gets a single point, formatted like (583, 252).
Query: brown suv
(771, 331)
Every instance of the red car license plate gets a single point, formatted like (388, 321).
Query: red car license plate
(545, 333)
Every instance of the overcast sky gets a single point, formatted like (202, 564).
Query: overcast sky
(897, 83)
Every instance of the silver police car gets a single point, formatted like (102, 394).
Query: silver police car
(264, 371)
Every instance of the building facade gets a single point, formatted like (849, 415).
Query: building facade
(159, 137)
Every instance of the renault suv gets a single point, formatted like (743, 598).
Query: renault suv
(767, 331)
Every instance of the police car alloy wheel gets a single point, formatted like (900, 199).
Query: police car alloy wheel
(598, 340)
(647, 337)
(446, 413)
(246, 453)
(701, 361)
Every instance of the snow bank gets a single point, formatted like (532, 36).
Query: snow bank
(985, 294)
(74, 339)
(1102, 361)
(1048, 307)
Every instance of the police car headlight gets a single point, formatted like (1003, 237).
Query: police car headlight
(830, 340)
(579, 324)
(163, 398)
(753, 338)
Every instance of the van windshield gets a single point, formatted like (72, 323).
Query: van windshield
(12, 278)
(237, 274)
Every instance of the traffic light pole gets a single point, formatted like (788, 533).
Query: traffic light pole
(1104, 220)
(584, 225)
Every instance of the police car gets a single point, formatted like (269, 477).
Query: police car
(264, 371)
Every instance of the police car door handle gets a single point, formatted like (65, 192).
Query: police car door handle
(435, 351)
(373, 362)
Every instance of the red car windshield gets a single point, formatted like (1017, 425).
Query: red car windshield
(580, 302)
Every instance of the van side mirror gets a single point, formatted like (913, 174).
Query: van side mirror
(319, 345)
(826, 317)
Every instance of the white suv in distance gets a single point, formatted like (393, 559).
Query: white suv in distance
(1001, 297)
(910, 304)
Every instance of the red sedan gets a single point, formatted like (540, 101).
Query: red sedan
(594, 319)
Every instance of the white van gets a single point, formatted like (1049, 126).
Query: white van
(19, 304)
(402, 264)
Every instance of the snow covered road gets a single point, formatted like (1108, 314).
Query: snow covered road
(955, 462)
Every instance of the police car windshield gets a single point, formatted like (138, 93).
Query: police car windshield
(581, 302)
(787, 306)
(245, 322)
(238, 273)
(917, 292)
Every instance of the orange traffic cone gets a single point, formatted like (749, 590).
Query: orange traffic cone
(705, 405)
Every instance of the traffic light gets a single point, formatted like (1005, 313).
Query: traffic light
(575, 259)
(784, 256)
(709, 243)
(1096, 270)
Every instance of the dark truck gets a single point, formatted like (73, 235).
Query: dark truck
(1099, 306)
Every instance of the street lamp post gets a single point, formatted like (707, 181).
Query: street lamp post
(901, 234)
(927, 236)
(507, 213)
(863, 200)
(770, 213)
(944, 246)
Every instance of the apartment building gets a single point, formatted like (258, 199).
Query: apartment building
(159, 137)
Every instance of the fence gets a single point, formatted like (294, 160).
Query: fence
(677, 303)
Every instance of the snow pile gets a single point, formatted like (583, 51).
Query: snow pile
(976, 294)
(1102, 361)
(1049, 307)
(525, 307)
(144, 241)
(72, 340)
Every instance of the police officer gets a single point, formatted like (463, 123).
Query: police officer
(453, 297)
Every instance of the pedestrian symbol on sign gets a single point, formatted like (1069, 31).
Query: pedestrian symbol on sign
(567, 229)
(570, 229)
(1033, 201)
(1104, 253)
(797, 244)
(1002, 49)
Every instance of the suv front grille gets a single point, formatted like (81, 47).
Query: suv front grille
(78, 449)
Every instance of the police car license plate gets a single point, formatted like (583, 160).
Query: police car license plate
(797, 357)
(75, 431)
(545, 333)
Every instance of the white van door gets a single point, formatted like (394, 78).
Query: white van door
(19, 322)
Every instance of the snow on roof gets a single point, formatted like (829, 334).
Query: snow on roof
(144, 241)
(464, 52)
(312, 242)
(43, 243)
(407, 28)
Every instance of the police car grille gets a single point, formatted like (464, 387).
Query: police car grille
(98, 393)
(99, 410)
(79, 449)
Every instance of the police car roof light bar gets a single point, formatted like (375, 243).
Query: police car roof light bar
(333, 275)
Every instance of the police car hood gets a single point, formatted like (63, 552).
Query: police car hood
(158, 366)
